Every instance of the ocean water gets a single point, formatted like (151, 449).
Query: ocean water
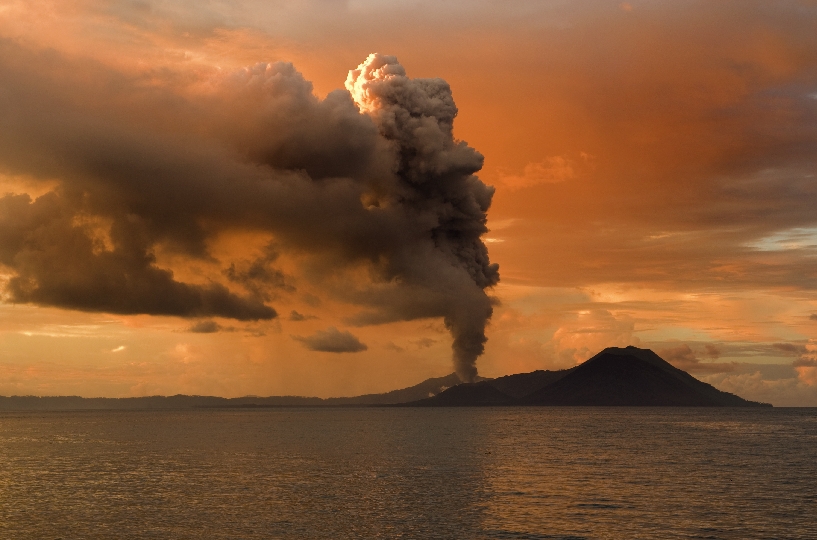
(410, 473)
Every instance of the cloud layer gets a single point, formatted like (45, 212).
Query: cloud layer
(655, 175)
(371, 177)
(332, 340)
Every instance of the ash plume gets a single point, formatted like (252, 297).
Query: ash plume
(370, 176)
(435, 181)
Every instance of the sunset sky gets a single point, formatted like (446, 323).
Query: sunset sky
(654, 166)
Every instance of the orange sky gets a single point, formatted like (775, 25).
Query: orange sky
(654, 166)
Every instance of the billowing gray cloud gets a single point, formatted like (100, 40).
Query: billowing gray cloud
(448, 272)
(371, 175)
(205, 327)
(58, 262)
(332, 340)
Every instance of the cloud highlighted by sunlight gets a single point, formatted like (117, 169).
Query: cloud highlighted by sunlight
(201, 162)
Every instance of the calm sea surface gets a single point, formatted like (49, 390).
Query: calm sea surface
(411, 473)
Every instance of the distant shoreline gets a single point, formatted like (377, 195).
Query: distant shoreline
(32, 404)
(615, 377)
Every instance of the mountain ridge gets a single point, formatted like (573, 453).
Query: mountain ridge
(424, 389)
(626, 376)
(616, 376)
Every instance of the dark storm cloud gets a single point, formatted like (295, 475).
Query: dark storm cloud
(377, 179)
(332, 340)
(813, 317)
(59, 263)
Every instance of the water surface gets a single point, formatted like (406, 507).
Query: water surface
(412, 473)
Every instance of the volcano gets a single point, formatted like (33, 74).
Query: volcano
(615, 377)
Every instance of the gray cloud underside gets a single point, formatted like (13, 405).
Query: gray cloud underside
(332, 340)
(205, 327)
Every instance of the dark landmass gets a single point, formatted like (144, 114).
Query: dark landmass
(425, 389)
(614, 377)
(471, 395)
(35, 403)
(524, 384)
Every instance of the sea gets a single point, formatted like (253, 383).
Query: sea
(471, 473)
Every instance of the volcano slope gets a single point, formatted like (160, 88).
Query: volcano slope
(615, 377)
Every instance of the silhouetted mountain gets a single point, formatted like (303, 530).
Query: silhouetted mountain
(523, 384)
(429, 387)
(631, 376)
(628, 376)
(466, 395)
(64, 403)
(614, 377)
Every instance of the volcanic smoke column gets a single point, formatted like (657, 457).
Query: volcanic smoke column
(436, 186)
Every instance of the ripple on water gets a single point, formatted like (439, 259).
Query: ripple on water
(555, 473)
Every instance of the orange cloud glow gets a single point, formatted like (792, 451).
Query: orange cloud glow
(653, 163)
